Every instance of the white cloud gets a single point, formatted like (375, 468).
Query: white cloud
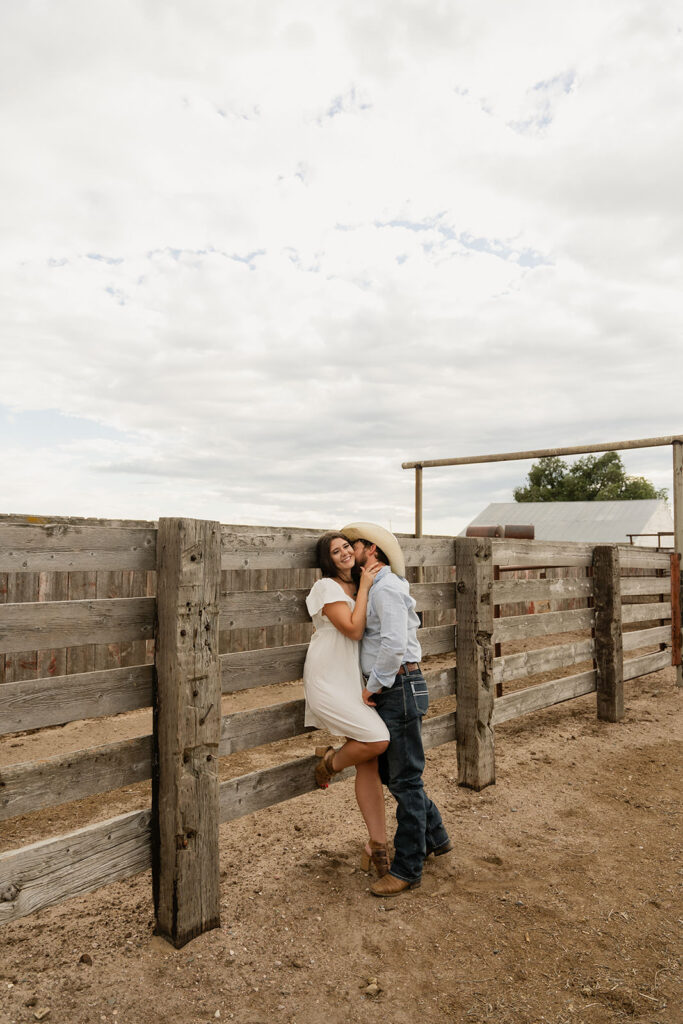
(280, 249)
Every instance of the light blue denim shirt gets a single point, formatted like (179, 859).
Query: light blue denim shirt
(391, 625)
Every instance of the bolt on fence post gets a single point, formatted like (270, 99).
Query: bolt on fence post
(187, 725)
(609, 653)
(474, 661)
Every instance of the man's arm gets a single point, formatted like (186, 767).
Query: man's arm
(390, 607)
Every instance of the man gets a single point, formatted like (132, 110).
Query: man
(390, 661)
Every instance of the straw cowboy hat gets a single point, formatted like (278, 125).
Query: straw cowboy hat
(383, 539)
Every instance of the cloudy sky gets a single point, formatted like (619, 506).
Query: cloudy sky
(256, 255)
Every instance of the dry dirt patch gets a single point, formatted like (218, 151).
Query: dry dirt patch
(560, 903)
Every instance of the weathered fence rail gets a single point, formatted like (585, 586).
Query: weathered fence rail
(618, 626)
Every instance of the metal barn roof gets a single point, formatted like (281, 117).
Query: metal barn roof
(607, 522)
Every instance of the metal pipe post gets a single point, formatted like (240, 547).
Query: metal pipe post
(418, 515)
(418, 501)
(678, 519)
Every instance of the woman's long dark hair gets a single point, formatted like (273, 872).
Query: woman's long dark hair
(322, 551)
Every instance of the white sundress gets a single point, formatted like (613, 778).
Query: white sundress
(332, 677)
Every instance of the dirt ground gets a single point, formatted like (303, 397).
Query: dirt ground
(560, 902)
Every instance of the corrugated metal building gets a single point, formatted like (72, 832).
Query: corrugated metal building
(601, 522)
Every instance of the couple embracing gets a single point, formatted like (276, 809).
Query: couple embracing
(375, 697)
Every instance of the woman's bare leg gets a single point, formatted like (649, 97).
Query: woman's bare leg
(370, 799)
(355, 752)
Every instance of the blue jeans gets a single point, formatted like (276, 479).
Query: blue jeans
(419, 825)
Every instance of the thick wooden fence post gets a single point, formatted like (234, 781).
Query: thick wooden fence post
(187, 723)
(609, 652)
(474, 661)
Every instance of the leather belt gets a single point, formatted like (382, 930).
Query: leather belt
(408, 666)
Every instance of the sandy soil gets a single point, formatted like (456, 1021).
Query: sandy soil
(559, 903)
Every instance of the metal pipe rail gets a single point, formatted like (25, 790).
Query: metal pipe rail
(675, 440)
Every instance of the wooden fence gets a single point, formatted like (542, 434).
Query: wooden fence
(196, 614)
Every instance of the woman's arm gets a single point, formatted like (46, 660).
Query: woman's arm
(352, 623)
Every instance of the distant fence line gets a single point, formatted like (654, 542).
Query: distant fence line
(170, 592)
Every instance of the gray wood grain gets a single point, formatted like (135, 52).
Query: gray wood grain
(53, 870)
(186, 877)
(609, 654)
(518, 627)
(290, 549)
(645, 637)
(36, 703)
(534, 698)
(474, 657)
(642, 666)
(509, 591)
(59, 547)
(631, 585)
(28, 786)
(535, 552)
(529, 663)
(643, 558)
(646, 612)
(247, 609)
(38, 625)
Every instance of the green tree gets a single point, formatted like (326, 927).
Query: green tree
(592, 478)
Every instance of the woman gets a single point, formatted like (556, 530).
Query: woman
(333, 685)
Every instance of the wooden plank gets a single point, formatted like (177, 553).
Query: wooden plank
(21, 662)
(58, 547)
(433, 596)
(53, 870)
(642, 558)
(53, 586)
(3, 600)
(634, 667)
(243, 730)
(270, 786)
(49, 872)
(146, 524)
(57, 780)
(646, 612)
(82, 587)
(30, 786)
(441, 683)
(280, 607)
(676, 609)
(646, 637)
(289, 549)
(535, 552)
(272, 608)
(38, 625)
(474, 656)
(519, 627)
(427, 551)
(439, 730)
(242, 670)
(534, 698)
(37, 703)
(109, 587)
(609, 654)
(437, 639)
(509, 591)
(133, 652)
(530, 663)
(187, 724)
(644, 585)
(257, 635)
